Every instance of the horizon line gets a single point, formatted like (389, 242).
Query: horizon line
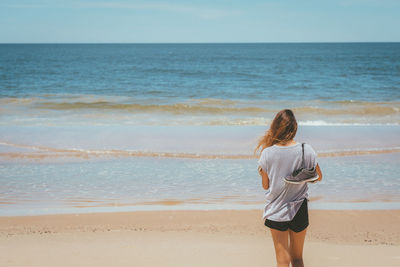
(300, 42)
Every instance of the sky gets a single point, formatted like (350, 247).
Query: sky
(203, 21)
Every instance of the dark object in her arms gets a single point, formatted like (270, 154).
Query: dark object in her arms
(303, 174)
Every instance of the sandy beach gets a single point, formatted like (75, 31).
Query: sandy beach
(194, 238)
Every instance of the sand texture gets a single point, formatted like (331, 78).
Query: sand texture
(194, 238)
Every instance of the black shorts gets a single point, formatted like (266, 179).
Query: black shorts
(298, 224)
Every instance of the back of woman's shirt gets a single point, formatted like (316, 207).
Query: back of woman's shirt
(283, 200)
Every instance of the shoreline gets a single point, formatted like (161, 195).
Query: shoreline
(192, 205)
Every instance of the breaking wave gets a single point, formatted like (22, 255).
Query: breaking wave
(208, 111)
(44, 152)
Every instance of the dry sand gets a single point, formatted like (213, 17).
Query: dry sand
(194, 238)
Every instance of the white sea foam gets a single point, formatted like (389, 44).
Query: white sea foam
(325, 123)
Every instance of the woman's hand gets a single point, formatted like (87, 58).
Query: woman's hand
(265, 179)
(318, 169)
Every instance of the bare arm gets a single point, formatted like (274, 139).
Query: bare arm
(265, 179)
(319, 173)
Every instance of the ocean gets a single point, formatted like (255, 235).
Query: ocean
(115, 127)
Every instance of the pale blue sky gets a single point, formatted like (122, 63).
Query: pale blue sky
(90, 21)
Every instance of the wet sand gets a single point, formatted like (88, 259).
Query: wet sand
(194, 238)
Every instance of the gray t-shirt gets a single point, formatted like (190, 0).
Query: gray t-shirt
(283, 200)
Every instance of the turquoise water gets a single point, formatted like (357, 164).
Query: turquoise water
(173, 126)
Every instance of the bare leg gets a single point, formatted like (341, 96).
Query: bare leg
(281, 247)
(296, 247)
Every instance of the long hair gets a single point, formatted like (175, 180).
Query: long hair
(283, 129)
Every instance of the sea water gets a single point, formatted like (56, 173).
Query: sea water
(106, 127)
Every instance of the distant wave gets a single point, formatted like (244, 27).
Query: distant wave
(219, 107)
(263, 121)
(178, 108)
(103, 110)
(356, 109)
(43, 152)
(206, 105)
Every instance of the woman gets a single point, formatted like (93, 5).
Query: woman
(286, 211)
